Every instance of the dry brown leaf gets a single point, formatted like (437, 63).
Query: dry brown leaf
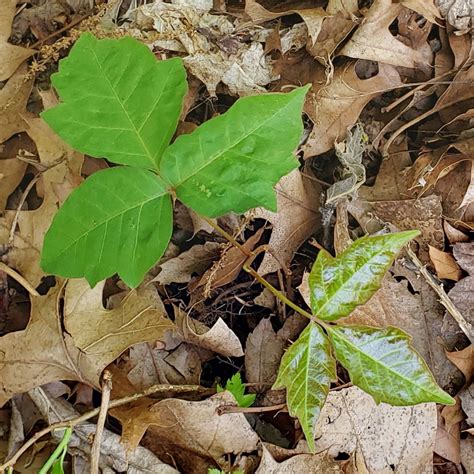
(389, 439)
(390, 184)
(448, 435)
(467, 403)
(318, 463)
(373, 41)
(313, 17)
(445, 265)
(467, 448)
(349, 7)
(194, 261)
(426, 8)
(192, 426)
(220, 338)
(464, 361)
(227, 268)
(296, 219)
(11, 56)
(464, 254)
(103, 334)
(13, 98)
(454, 235)
(11, 174)
(263, 351)
(336, 107)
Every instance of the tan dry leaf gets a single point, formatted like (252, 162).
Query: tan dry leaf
(11, 56)
(103, 334)
(41, 354)
(61, 174)
(318, 463)
(389, 439)
(13, 99)
(373, 41)
(426, 8)
(467, 403)
(349, 7)
(467, 448)
(192, 426)
(11, 174)
(313, 17)
(220, 338)
(335, 107)
(263, 352)
(445, 265)
(448, 437)
(454, 235)
(227, 268)
(464, 254)
(194, 261)
(296, 219)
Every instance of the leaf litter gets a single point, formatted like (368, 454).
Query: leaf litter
(199, 318)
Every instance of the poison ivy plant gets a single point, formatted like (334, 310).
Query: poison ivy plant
(120, 103)
(237, 388)
(379, 361)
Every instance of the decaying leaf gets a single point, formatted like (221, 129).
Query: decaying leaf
(12, 56)
(263, 351)
(373, 41)
(336, 107)
(445, 265)
(192, 426)
(294, 222)
(387, 438)
(11, 174)
(220, 338)
(464, 361)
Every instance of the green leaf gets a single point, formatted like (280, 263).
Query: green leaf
(118, 221)
(338, 285)
(306, 371)
(235, 386)
(119, 102)
(56, 460)
(231, 162)
(382, 363)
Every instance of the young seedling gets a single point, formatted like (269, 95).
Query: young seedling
(120, 103)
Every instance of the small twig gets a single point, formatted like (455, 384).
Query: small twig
(224, 409)
(445, 300)
(87, 416)
(104, 406)
(17, 277)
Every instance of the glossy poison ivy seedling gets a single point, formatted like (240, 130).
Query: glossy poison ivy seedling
(120, 103)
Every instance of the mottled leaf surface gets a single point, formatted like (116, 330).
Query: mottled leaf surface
(118, 221)
(382, 363)
(306, 371)
(231, 162)
(337, 285)
(118, 101)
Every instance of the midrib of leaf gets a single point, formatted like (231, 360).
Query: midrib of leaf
(232, 145)
(134, 128)
(346, 282)
(358, 350)
(106, 222)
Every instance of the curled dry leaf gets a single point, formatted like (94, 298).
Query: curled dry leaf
(335, 107)
(388, 438)
(294, 222)
(464, 361)
(263, 352)
(11, 174)
(220, 338)
(192, 426)
(12, 56)
(194, 261)
(464, 255)
(319, 463)
(373, 41)
(445, 265)
(454, 235)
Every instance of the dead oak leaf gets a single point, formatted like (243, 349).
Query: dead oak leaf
(335, 107)
(297, 217)
(373, 41)
(445, 265)
(192, 426)
(103, 334)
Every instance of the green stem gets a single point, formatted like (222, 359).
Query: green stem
(246, 267)
(60, 451)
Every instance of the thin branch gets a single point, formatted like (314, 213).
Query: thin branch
(224, 409)
(104, 406)
(87, 416)
(17, 277)
(444, 299)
